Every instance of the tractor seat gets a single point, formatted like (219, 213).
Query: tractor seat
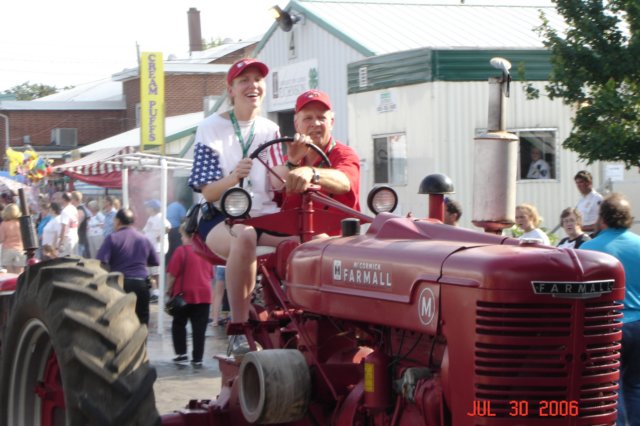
(201, 249)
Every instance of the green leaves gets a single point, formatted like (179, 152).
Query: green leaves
(27, 91)
(596, 66)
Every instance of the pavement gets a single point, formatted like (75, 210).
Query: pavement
(177, 384)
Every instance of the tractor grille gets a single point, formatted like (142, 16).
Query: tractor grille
(567, 351)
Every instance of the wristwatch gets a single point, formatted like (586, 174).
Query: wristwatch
(316, 176)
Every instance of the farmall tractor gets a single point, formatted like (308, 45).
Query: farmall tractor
(410, 322)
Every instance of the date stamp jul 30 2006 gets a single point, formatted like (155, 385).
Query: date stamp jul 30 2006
(544, 408)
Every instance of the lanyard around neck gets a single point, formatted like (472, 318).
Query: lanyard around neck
(236, 127)
(332, 145)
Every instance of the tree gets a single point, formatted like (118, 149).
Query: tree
(214, 42)
(596, 67)
(27, 91)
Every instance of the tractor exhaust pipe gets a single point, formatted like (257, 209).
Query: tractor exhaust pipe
(27, 228)
(495, 153)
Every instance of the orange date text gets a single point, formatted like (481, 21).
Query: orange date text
(544, 408)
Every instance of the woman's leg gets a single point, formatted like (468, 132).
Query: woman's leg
(239, 245)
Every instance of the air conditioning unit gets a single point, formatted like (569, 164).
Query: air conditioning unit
(64, 137)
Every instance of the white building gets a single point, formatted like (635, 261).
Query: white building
(409, 81)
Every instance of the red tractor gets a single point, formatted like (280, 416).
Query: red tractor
(411, 322)
(414, 322)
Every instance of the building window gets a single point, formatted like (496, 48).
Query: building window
(390, 159)
(363, 77)
(293, 51)
(537, 154)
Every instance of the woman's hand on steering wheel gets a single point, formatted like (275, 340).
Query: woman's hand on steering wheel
(242, 169)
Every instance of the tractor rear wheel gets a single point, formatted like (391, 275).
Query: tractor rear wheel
(74, 352)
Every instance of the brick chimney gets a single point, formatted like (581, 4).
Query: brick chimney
(195, 33)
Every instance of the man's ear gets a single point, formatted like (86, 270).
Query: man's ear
(295, 122)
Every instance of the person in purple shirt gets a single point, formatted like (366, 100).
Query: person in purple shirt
(128, 251)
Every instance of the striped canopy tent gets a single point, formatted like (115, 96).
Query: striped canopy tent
(101, 168)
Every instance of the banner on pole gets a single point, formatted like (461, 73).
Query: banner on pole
(151, 101)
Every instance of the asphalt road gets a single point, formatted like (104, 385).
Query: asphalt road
(177, 384)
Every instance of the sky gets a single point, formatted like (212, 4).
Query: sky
(71, 42)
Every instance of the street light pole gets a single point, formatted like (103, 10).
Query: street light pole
(6, 140)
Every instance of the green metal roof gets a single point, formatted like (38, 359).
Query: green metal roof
(424, 65)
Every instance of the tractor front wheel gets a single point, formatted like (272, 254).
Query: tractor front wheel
(74, 352)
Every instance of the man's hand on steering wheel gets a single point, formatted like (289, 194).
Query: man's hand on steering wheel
(299, 148)
(302, 179)
(299, 179)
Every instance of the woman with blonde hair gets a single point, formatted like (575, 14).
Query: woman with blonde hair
(528, 219)
(11, 239)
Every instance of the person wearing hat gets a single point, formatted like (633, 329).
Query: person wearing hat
(313, 121)
(589, 202)
(223, 143)
(156, 230)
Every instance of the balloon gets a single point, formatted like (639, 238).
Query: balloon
(28, 164)
(15, 161)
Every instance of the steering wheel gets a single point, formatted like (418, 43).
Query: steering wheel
(287, 139)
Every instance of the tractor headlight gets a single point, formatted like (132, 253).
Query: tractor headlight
(235, 203)
(382, 199)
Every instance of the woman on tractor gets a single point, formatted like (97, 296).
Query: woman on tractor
(224, 143)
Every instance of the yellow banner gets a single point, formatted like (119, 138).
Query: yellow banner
(151, 101)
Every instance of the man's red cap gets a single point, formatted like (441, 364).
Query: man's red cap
(239, 66)
(312, 96)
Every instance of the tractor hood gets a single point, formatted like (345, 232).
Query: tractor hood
(369, 277)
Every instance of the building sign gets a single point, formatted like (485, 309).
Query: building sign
(288, 82)
(151, 100)
(614, 172)
(386, 102)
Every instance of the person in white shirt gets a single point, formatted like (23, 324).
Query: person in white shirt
(539, 168)
(51, 231)
(528, 219)
(589, 202)
(95, 235)
(156, 230)
(68, 241)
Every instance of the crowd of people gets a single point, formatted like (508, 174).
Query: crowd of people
(603, 224)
